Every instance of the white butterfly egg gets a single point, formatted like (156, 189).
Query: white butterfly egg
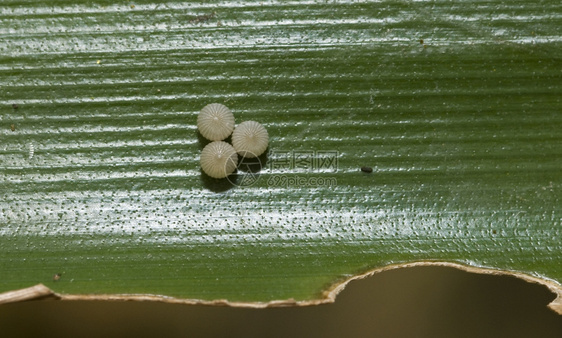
(250, 139)
(215, 122)
(219, 159)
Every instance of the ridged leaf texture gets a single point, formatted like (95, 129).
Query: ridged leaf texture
(456, 108)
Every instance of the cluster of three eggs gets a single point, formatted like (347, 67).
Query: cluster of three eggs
(220, 159)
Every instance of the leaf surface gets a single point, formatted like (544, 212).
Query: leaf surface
(456, 108)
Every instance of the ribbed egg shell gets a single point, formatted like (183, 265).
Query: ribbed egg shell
(250, 139)
(215, 122)
(219, 159)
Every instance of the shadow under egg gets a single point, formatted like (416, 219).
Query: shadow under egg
(252, 165)
(218, 184)
(202, 141)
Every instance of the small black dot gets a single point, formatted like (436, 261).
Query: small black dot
(367, 169)
(15, 106)
(421, 41)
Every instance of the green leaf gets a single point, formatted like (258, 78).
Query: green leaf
(457, 109)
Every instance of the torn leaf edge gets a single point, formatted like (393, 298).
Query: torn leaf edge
(41, 292)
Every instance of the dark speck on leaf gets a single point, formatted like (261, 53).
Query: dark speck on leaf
(15, 106)
(367, 169)
(203, 18)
